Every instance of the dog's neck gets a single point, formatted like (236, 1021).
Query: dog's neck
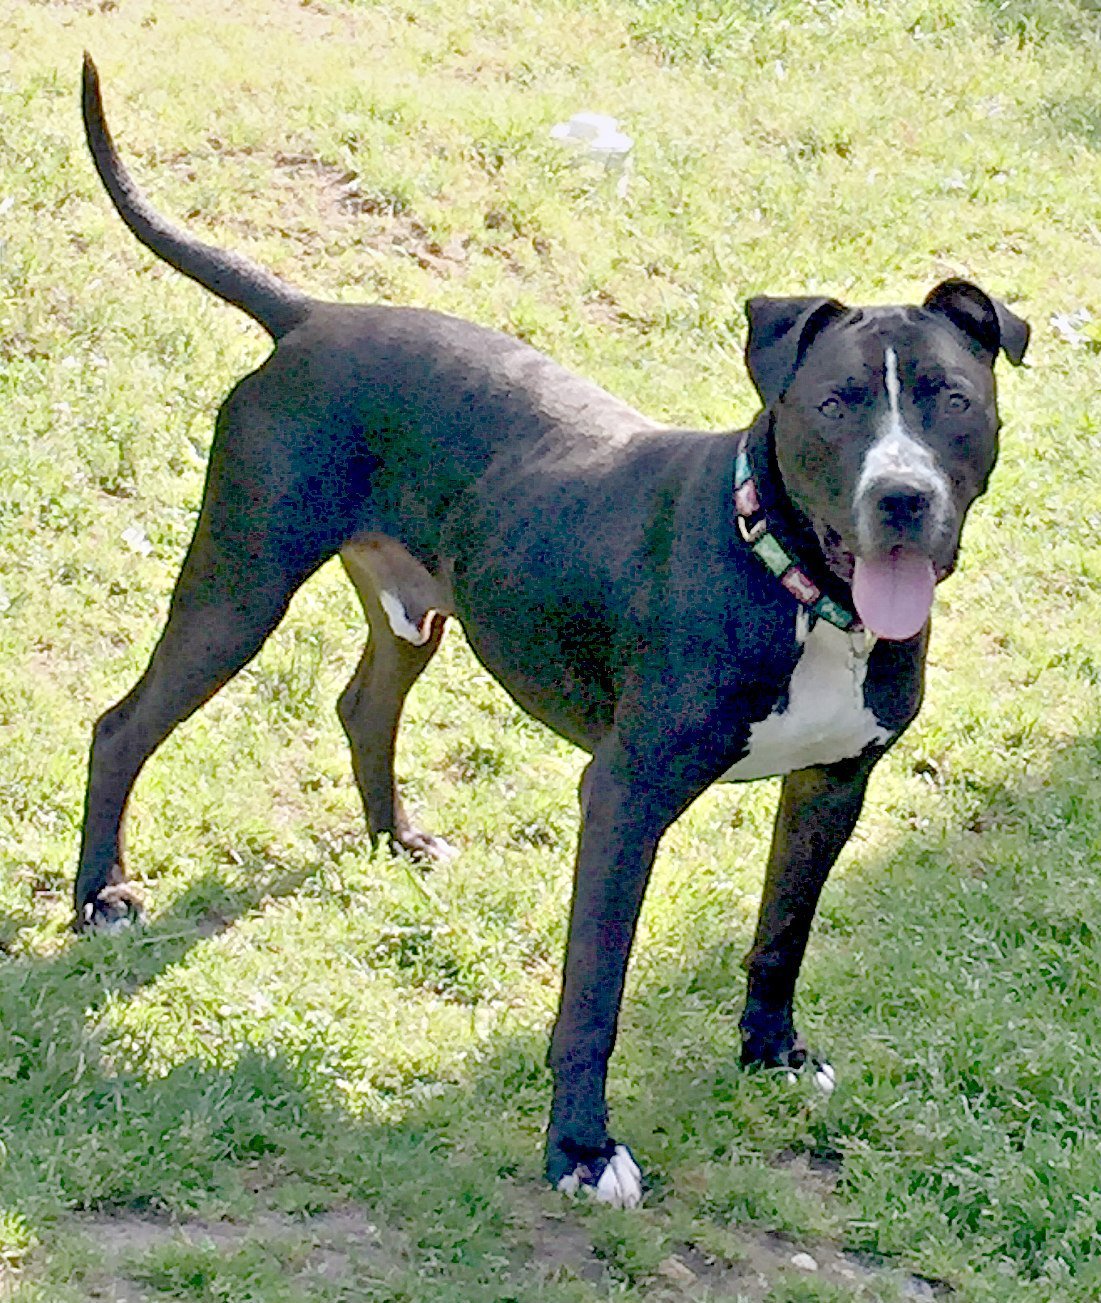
(781, 536)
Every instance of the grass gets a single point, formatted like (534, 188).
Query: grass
(307, 1031)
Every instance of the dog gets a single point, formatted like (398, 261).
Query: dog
(684, 606)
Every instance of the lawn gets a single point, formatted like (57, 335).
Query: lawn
(317, 1074)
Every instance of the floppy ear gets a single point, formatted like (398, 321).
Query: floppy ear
(986, 322)
(780, 332)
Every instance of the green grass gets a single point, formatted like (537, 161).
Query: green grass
(307, 1031)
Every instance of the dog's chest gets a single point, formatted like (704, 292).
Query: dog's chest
(823, 717)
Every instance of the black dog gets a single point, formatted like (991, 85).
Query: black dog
(684, 606)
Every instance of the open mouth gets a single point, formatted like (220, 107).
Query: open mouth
(839, 559)
(892, 591)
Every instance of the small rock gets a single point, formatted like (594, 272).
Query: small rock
(804, 1262)
(677, 1270)
(597, 137)
(598, 132)
(916, 1288)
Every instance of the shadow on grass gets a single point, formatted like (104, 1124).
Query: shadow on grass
(80, 1134)
(954, 980)
(1029, 20)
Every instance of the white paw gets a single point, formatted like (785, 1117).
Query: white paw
(426, 847)
(824, 1077)
(620, 1184)
(101, 926)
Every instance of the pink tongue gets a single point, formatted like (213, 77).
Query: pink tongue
(893, 594)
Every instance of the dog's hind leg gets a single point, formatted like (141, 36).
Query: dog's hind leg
(406, 608)
(216, 624)
(255, 542)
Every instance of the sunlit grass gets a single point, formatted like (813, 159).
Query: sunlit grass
(306, 1025)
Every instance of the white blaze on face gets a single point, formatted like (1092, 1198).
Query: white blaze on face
(897, 459)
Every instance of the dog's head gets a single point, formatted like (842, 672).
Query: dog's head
(885, 424)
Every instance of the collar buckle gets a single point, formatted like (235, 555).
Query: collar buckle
(749, 535)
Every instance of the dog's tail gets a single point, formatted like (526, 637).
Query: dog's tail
(277, 306)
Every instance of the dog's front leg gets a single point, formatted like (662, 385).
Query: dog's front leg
(817, 812)
(624, 813)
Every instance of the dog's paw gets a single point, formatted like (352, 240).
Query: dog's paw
(423, 846)
(825, 1078)
(616, 1180)
(819, 1071)
(794, 1060)
(112, 910)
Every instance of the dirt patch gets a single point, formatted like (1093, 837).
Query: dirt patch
(769, 1258)
(814, 1174)
(560, 1245)
(312, 203)
(383, 220)
(754, 1263)
(329, 1244)
(552, 1243)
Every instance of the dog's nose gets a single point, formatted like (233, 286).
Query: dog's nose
(903, 509)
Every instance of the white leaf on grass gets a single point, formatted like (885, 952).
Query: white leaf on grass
(1066, 326)
(597, 137)
(137, 540)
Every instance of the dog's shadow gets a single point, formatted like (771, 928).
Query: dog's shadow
(951, 979)
(922, 959)
(126, 1147)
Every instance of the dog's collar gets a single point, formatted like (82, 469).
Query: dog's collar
(774, 540)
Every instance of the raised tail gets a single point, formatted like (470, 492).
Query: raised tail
(277, 306)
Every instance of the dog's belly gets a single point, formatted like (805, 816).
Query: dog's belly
(824, 717)
(544, 672)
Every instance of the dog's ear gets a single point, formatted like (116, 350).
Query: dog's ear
(988, 324)
(780, 332)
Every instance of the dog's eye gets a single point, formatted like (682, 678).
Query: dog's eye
(957, 402)
(833, 409)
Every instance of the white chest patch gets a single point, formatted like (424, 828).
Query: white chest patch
(824, 718)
